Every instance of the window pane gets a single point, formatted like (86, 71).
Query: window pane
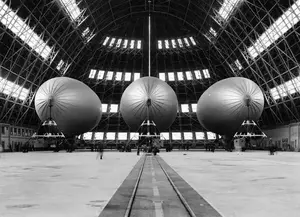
(101, 74)
(88, 136)
(122, 136)
(200, 135)
(112, 42)
(198, 74)
(92, 73)
(194, 107)
(114, 108)
(119, 76)
(136, 76)
(174, 45)
(110, 135)
(164, 136)
(206, 73)
(162, 76)
(185, 108)
(98, 135)
(180, 42)
(109, 75)
(167, 46)
(125, 43)
(127, 76)
(188, 75)
(159, 44)
(171, 76)
(188, 135)
(176, 136)
(180, 76)
(104, 107)
(134, 136)
(132, 44)
(119, 42)
(211, 135)
(139, 44)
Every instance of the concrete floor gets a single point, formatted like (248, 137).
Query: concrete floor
(242, 185)
(76, 184)
(47, 184)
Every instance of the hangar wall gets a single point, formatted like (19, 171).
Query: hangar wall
(286, 137)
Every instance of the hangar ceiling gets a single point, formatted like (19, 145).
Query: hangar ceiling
(225, 37)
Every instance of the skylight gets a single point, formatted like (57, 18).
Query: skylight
(176, 136)
(188, 75)
(127, 76)
(114, 108)
(13, 22)
(110, 135)
(122, 136)
(211, 135)
(60, 65)
(276, 30)
(92, 73)
(159, 43)
(180, 76)
(171, 76)
(139, 44)
(200, 135)
(192, 40)
(180, 42)
(238, 64)
(136, 76)
(109, 75)
(206, 73)
(167, 44)
(186, 41)
(112, 42)
(100, 74)
(88, 136)
(174, 45)
(119, 76)
(164, 136)
(125, 43)
(213, 32)
(134, 136)
(105, 41)
(188, 135)
(185, 108)
(132, 44)
(85, 32)
(198, 74)
(72, 8)
(194, 107)
(104, 107)
(98, 136)
(119, 42)
(227, 8)
(289, 87)
(15, 90)
(162, 76)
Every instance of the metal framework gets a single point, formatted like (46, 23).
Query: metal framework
(216, 50)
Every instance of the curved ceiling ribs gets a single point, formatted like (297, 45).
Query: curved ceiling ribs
(171, 19)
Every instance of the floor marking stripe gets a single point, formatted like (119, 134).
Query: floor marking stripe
(158, 209)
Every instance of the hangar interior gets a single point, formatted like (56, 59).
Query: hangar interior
(193, 45)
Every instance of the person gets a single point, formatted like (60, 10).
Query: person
(101, 149)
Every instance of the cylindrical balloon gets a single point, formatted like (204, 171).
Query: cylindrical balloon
(75, 107)
(224, 106)
(149, 95)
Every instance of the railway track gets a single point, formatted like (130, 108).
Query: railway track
(164, 205)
